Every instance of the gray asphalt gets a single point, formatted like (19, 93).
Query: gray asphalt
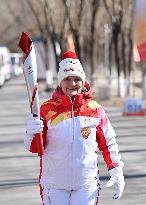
(19, 169)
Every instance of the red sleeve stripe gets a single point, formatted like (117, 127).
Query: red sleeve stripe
(102, 145)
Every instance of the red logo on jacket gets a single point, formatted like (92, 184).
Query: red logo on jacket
(85, 132)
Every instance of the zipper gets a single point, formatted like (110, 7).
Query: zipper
(73, 120)
(72, 115)
(72, 147)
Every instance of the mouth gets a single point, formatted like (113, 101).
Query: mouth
(71, 89)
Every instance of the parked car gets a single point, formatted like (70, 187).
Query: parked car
(5, 65)
(16, 63)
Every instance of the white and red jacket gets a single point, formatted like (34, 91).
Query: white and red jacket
(72, 132)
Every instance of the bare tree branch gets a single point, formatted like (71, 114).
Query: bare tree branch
(41, 29)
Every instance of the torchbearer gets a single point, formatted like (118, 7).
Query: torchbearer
(30, 73)
(74, 127)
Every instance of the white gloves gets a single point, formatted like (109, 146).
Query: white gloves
(33, 126)
(117, 179)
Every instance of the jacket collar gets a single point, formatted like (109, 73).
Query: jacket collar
(79, 99)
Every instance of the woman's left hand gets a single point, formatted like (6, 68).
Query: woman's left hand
(117, 179)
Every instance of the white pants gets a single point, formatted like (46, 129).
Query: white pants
(87, 195)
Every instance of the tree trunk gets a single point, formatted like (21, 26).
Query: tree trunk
(49, 75)
(117, 62)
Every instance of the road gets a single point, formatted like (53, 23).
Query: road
(19, 169)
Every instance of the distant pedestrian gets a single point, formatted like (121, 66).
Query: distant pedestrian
(73, 126)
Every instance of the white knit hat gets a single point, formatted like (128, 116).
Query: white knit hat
(70, 66)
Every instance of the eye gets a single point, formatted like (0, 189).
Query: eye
(77, 79)
(67, 79)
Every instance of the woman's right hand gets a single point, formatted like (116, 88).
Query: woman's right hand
(33, 125)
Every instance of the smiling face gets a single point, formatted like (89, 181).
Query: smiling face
(71, 85)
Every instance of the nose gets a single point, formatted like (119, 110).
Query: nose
(73, 82)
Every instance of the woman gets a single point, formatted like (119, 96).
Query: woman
(73, 127)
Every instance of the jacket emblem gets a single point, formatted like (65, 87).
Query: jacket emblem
(85, 132)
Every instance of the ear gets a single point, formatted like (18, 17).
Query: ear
(84, 89)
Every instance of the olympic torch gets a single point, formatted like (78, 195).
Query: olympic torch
(30, 74)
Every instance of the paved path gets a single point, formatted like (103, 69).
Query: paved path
(19, 169)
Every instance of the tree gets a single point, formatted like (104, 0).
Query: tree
(121, 39)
